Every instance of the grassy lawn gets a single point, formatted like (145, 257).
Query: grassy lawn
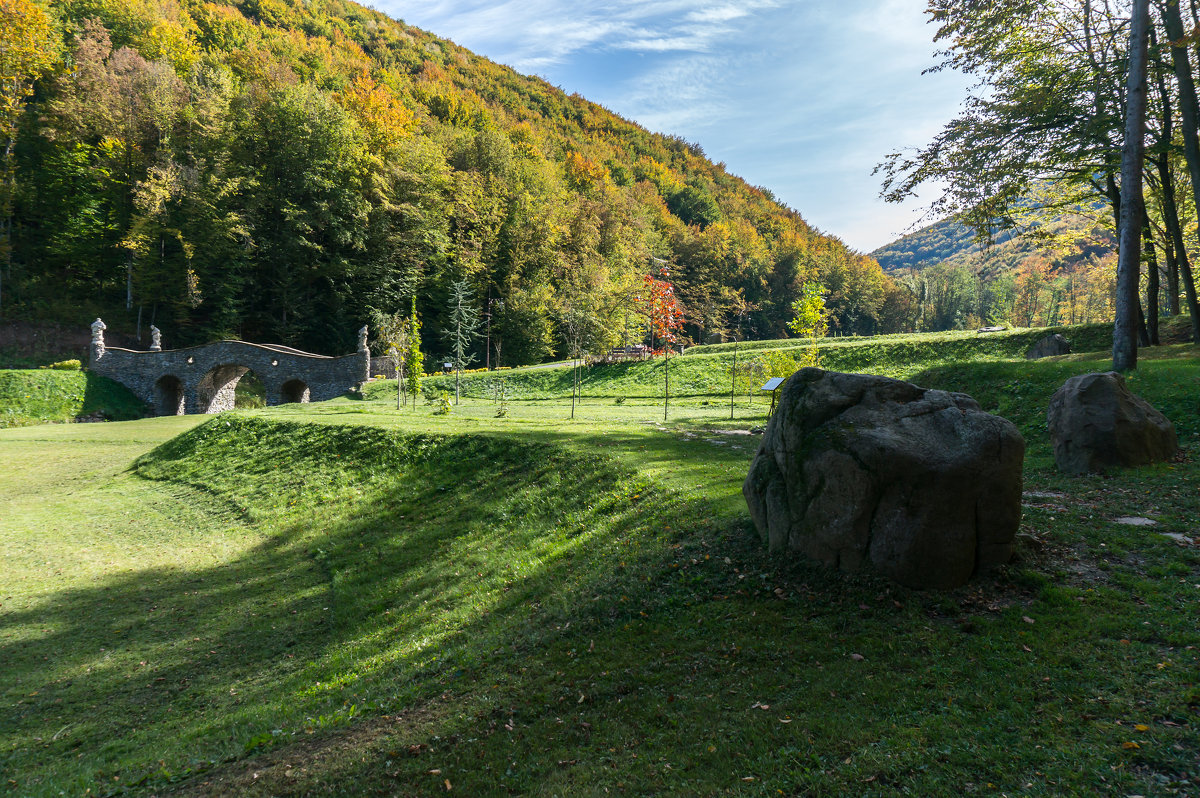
(347, 599)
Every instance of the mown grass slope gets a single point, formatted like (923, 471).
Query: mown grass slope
(347, 599)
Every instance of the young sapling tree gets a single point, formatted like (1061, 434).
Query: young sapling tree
(463, 329)
(665, 316)
(414, 361)
(391, 332)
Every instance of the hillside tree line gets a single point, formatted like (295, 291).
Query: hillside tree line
(284, 171)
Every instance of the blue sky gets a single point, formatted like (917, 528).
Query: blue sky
(801, 97)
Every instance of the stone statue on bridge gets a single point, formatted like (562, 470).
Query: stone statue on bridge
(362, 339)
(98, 328)
(155, 339)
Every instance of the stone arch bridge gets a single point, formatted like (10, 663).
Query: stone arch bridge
(202, 379)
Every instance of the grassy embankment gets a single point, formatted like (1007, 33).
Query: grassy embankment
(704, 370)
(387, 602)
(40, 396)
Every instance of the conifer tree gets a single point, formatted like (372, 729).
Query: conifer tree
(464, 327)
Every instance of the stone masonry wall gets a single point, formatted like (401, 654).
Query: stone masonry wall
(201, 379)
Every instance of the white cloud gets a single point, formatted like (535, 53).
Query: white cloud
(666, 44)
(719, 14)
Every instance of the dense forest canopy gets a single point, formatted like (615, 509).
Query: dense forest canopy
(286, 171)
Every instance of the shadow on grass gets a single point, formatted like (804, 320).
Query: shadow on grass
(559, 626)
(419, 563)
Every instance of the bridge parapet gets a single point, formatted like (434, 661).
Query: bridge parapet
(202, 379)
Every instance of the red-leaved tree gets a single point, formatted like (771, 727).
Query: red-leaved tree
(665, 316)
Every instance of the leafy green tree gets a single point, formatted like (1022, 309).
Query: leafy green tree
(810, 320)
(694, 206)
(1012, 133)
(27, 51)
(391, 336)
(303, 169)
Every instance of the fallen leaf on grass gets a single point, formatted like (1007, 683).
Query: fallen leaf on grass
(1141, 727)
(1128, 746)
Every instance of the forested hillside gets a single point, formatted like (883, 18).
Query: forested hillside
(1058, 270)
(286, 171)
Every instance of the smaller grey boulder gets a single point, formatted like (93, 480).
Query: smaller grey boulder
(1049, 346)
(1096, 422)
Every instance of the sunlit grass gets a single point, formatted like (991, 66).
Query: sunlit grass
(348, 599)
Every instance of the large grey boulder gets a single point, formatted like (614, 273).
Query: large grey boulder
(859, 471)
(1096, 423)
(1049, 346)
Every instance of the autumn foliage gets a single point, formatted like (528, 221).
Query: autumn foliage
(285, 172)
(661, 309)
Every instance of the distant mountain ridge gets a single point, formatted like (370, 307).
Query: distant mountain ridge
(1058, 272)
(951, 243)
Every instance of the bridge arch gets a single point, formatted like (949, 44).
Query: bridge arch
(294, 390)
(169, 396)
(217, 389)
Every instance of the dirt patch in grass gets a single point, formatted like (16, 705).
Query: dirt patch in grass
(298, 767)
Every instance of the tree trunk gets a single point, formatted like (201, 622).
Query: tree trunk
(666, 378)
(1173, 246)
(1172, 278)
(1173, 239)
(1133, 154)
(1191, 141)
(398, 365)
(1151, 283)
